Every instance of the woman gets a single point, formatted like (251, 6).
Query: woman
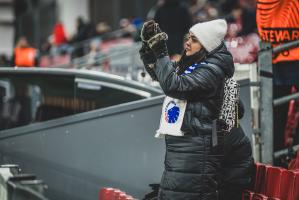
(192, 163)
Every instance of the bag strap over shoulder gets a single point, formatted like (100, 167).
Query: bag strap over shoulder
(228, 113)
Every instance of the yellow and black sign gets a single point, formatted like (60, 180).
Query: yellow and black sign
(278, 23)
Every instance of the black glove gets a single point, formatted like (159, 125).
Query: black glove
(158, 44)
(146, 54)
(149, 59)
(151, 72)
(155, 38)
(149, 29)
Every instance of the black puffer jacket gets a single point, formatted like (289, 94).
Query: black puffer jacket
(202, 88)
(191, 163)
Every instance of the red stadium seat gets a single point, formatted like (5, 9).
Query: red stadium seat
(260, 178)
(273, 181)
(247, 195)
(289, 189)
(296, 184)
(106, 194)
(257, 196)
(113, 194)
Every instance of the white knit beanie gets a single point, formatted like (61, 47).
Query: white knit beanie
(210, 34)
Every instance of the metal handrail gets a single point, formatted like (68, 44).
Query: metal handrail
(265, 62)
(285, 99)
(286, 46)
(277, 154)
(85, 42)
(275, 51)
(100, 57)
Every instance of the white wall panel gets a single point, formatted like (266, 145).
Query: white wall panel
(70, 10)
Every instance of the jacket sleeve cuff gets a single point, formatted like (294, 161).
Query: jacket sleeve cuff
(161, 62)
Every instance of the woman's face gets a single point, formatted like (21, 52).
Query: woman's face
(192, 45)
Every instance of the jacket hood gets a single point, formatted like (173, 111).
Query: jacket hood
(222, 58)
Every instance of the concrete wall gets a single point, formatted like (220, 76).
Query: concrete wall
(7, 36)
(6, 27)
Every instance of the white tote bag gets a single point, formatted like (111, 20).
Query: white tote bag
(172, 116)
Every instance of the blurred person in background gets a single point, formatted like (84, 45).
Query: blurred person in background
(60, 41)
(84, 31)
(227, 6)
(102, 28)
(128, 30)
(137, 23)
(24, 54)
(244, 17)
(46, 46)
(59, 34)
(4, 62)
(278, 24)
(202, 10)
(242, 38)
(92, 58)
(175, 19)
(152, 12)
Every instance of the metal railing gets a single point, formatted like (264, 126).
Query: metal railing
(122, 59)
(266, 101)
(85, 43)
(15, 185)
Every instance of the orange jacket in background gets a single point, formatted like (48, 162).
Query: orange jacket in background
(25, 57)
(278, 23)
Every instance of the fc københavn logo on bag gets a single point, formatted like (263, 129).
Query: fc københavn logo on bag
(172, 112)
